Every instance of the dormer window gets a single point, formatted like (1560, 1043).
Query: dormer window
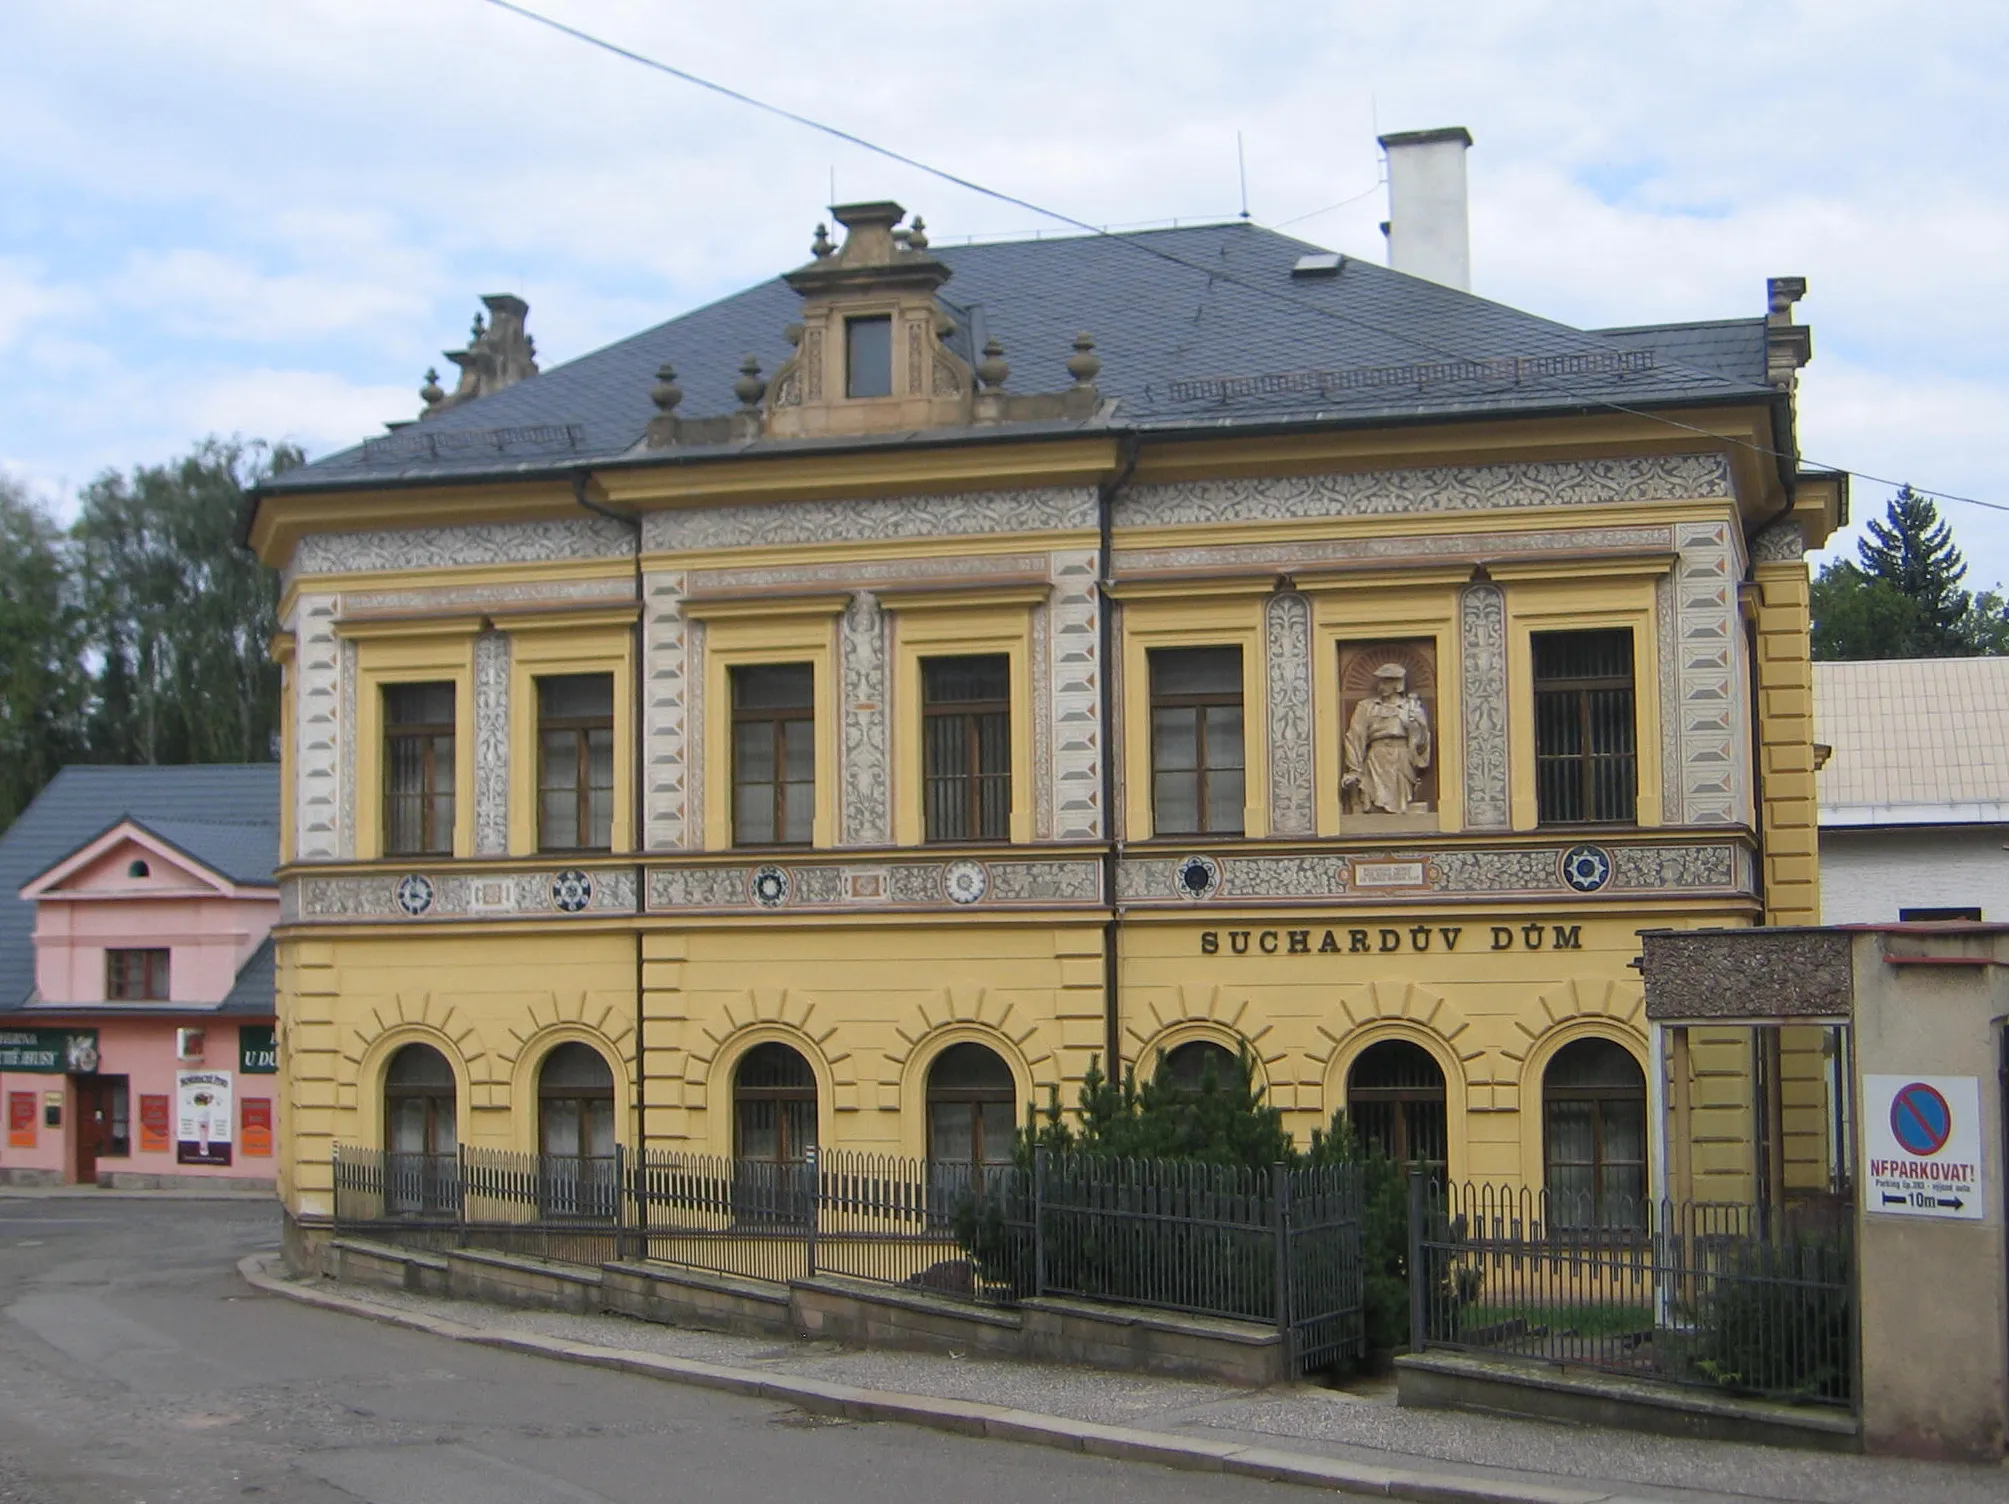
(868, 356)
(138, 869)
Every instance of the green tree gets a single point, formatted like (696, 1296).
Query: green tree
(177, 618)
(41, 665)
(1901, 597)
(1857, 615)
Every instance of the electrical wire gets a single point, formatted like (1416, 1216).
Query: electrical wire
(1590, 343)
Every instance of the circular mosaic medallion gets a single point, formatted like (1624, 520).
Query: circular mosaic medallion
(572, 890)
(414, 894)
(1586, 868)
(1198, 877)
(770, 887)
(966, 881)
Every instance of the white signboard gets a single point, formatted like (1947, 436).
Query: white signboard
(1922, 1146)
(202, 1135)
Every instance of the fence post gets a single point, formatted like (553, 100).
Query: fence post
(460, 1194)
(815, 1172)
(620, 1201)
(1039, 1222)
(1418, 1273)
(1280, 1234)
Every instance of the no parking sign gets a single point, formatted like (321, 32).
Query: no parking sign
(1922, 1146)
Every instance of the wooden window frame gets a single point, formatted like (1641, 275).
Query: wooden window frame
(1581, 689)
(743, 1095)
(1202, 769)
(1600, 1161)
(153, 959)
(582, 727)
(972, 713)
(1402, 1099)
(432, 841)
(777, 718)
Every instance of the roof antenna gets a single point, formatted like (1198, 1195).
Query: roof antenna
(833, 184)
(1242, 164)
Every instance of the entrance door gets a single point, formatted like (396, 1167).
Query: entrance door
(101, 1130)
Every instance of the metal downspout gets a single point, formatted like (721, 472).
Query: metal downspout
(1112, 856)
(638, 826)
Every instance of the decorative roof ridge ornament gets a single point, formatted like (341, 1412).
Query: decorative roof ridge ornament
(1788, 345)
(499, 354)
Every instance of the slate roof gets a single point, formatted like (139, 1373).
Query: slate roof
(1197, 328)
(231, 810)
(1917, 741)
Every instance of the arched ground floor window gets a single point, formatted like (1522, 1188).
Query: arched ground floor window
(1594, 1136)
(575, 1132)
(1395, 1099)
(1189, 1066)
(774, 1132)
(421, 1163)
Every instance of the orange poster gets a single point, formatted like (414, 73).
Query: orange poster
(20, 1120)
(255, 1128)
(156, 1116)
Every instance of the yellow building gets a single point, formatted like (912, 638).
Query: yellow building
(845, 713)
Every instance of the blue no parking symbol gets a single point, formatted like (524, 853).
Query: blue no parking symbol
(1920, 1120)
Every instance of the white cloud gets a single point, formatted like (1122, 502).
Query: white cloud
(315, 409)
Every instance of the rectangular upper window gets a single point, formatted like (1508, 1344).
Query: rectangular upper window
(418, 769)
(868, 357)
(575, 762)
(136, 976)
(1586, 753)
(773, 754)
(1197, 783)
(966, 747)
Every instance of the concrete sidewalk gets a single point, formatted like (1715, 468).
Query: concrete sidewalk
(264, 1196)
(1355, 1441)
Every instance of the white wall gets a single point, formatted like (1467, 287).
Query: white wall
(1868, 875)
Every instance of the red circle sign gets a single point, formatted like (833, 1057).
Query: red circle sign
(1920, 1120)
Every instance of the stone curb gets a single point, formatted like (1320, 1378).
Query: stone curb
(107, 1193)
(964, 1417)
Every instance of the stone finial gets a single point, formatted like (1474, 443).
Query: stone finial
(1781, 293)
(751, 386)
(499, 354)
(666, 394)
(992, 370)
(793, 334)
(944, 326)
(819, 245)
(1084, 364)
(431, 393)
(478, 329)
(917, 234)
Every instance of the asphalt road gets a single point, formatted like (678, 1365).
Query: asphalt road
(136, 1366)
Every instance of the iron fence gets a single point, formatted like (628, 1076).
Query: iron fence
(1692, 1293)
(1279, 1246)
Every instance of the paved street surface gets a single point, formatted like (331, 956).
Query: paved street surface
(136, 1365)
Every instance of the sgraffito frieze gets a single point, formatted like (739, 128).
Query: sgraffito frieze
(866, 797)
(421, 896)
(794, 885)
(1289, 662)
(491, 744)
(1076, 724)
(870, 519)
(452, 547)
(1428, 489)
(665, 733)
(317, 678)
(1482, 630)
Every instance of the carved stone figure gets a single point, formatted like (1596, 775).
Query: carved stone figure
(1387, 747)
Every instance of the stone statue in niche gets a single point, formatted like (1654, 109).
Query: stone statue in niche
(1387, 768)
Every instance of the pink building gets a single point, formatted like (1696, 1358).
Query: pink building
(136, 1028)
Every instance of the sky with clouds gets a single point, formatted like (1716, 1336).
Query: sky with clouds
(267, 217)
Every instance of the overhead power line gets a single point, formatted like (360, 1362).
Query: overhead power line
(1215, 273)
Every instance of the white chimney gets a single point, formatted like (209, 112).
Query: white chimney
(1427, 236)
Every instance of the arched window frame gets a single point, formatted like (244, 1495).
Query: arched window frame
(578, 1157)
(990, 1133)
(1399, 1116)
(1615, 1197)
(421, 1134)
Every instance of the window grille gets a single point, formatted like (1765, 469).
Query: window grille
(966, 742)
(418, 769)
(1586, 756)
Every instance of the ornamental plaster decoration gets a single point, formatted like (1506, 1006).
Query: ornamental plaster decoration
(1043, 738)
(614, 590)
(408, 897)
(451, 547)
(317, 676)
(667, 682)
(866, 575)
(1482, 630)
(1240, 878)
(864, 786)
(694, 735)
(347, 849)
(1667, 632)
(491, 744)
(1075, 725)
(1289, 663)
(1298, 555)
(745, 887)
(871, 519)
(1712, 779)
(1568, 873)
(1781, 543)
(1450, 488)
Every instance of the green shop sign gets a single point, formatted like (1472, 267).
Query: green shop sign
(52, 1052)
(257, 1050)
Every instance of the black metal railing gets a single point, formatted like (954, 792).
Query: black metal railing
(1692, 1293)
(1279, 1246)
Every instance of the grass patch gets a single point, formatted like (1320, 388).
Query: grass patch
(1584, 1320)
